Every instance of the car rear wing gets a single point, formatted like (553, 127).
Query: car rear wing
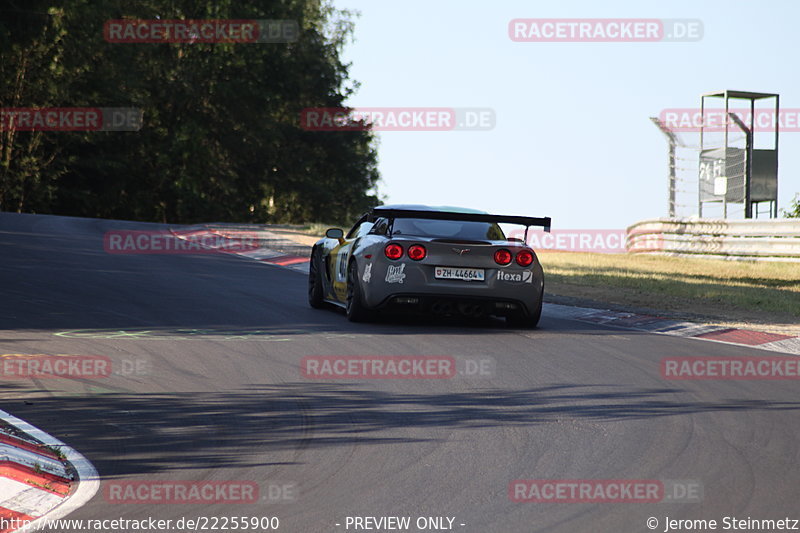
(391, 213)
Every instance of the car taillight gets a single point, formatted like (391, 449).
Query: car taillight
(524, 258)
(393, 251)
(502, 257)
(417, 252)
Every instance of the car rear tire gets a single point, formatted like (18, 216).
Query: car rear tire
(530, 321)
(316, 292)
(355, 308)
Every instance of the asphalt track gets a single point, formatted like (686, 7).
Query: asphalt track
(219, 396)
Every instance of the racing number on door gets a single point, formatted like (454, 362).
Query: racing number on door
(342, 256)
(339, 268)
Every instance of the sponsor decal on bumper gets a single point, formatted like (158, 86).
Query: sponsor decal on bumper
(525, 276)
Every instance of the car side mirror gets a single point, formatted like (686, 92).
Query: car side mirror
(335, 233)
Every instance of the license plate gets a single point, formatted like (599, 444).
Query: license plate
(463, 274)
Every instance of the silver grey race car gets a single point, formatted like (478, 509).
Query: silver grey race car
(439, 260)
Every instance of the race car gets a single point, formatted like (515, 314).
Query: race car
(445, 261)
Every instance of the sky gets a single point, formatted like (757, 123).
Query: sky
(572, 138)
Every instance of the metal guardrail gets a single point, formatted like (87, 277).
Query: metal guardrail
(754, 240)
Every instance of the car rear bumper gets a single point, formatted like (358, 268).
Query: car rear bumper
(456, 306)
(382, 280)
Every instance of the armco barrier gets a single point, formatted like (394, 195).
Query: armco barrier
(755, 240)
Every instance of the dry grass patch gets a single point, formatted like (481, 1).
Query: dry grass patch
(730, 291)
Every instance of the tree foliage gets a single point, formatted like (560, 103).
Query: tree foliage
(221, 138)
(794, 208)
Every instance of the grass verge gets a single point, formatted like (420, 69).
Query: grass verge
(730, 292)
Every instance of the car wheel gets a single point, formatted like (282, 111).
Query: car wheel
(356, 310)
(316, 293)
(530, 321)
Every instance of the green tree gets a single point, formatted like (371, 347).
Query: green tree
(794, 208)
(221, 137)
(30, 71)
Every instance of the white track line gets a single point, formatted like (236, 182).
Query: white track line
(30, 501)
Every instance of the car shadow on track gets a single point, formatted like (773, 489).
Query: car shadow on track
(148, 433)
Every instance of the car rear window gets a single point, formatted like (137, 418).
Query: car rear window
(448, 229)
